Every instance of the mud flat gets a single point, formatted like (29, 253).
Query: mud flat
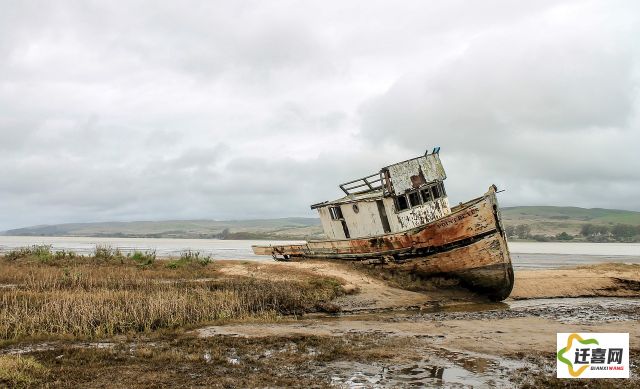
(382, 331)
(452, 339)
(498, 346)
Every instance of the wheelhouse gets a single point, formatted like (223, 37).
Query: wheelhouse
(399, 197)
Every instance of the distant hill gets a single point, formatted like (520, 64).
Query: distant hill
(543, 220)
(285, 228)
(547, 220)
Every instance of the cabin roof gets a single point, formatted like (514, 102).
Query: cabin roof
(370, 195)
(400, 177)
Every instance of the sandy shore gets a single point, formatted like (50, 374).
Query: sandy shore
(615, 280)
(604, 280)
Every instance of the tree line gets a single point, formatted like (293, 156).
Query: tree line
(618, 232)
(590, 232)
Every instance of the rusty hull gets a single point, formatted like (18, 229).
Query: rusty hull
(469, 243)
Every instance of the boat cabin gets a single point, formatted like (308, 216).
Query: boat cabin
(401, 196)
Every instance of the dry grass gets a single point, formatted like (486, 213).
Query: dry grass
(17, 371)
(86, 298)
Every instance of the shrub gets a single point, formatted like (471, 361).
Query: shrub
(624, 232)
(593, 230)
(523, 231)
(107, 253)
(540, 238)
(564, 236)
(190, 258)
(144, 258)
(65, 255)
(40, 252)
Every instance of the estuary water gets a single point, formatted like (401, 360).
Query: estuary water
(523, 254)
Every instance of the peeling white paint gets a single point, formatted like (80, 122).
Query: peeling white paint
(428, 167)
(367, 222)
(423, 214)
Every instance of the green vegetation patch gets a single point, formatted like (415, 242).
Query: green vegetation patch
(190, 258)
(18, 371)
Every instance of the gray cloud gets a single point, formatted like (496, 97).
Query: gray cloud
(548, 108)
(158, 110)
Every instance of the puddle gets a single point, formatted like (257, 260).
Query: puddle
(462, 371)
(53, 346)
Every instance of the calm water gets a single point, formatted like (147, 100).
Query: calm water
(523, 254)
(226, 249)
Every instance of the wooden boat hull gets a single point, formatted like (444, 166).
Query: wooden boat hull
(469, 243)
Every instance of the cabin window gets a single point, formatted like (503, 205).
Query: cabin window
(444, 192)
(436, 191)
(414, 199)
(336, 213)
(426, 195)
(401, 203)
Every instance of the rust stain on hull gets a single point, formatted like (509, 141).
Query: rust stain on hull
(469, 243)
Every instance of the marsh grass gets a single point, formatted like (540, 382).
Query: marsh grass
(143, 258)
(107, 253)
(190, 258)
(89, 297)
(18, 371)
(41, 253)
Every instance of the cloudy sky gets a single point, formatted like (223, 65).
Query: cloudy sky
(126, 110)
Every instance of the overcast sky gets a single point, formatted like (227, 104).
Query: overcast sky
(126, 110)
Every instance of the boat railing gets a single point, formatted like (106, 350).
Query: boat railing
(362, 185)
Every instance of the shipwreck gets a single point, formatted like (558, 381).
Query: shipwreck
(401, 218)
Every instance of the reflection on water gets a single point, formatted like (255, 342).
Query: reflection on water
(523, 254)
(443, 368)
